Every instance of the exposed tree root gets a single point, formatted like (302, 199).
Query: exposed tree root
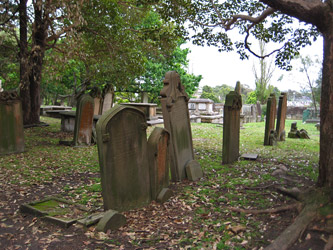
(294, 193)
(267, 211)
(263, 187)
(329, 244)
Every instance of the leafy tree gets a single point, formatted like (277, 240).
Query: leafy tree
(252, 98)
(208, 93)
(264, 75)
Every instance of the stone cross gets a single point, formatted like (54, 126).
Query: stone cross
(84, 120)
(174, 102)
(11, 123)
(231, 127)
(270, 121)
(281, 117)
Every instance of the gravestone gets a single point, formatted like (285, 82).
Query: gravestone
(95, 93)
(174, 102)
(231, 127)
(270, 120)
(1, 89)
(11, 123)
(108, 95)
(122, 150)
(281, 117)
(295, 133)
(159, 161)
(84, 120)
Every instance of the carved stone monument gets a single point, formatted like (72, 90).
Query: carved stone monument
(174, 102)
(281, 117)
(108, 95)
(231, 127)
(270, 121)
(84, 120)
(11, 123)
(122, 150)
(159, 161)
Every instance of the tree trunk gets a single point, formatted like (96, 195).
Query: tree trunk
(326, 114)
(24, 63)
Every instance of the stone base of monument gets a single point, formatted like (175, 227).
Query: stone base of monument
(111, 220)
(56, 210)
(193, 170)
(164, 195)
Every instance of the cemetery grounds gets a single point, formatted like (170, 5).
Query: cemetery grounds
(201, 215)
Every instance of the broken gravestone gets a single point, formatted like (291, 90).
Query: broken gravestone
(281, 117)
(270, 133)
(231, 127)
(108, 95)
(11, 123)
(84, 120)
(122, 150)
(174, 102)
(159, 161)
(295, 133)
(95, 93)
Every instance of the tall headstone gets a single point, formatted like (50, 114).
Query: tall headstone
(174, 102)
(108, 95)
(84, 120)
(270, 121)
(11, 123)
(122, 150)
(281, 117)
(159, 161)
(231, 127)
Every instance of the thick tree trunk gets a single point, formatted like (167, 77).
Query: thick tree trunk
(326, 114)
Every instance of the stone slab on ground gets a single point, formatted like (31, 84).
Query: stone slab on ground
(193, 170)
(252, 157)
(111, 220)
(164, 195)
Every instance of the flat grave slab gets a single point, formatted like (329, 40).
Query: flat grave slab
(251, 157)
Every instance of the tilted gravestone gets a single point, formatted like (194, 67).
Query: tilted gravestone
(270, 121)
(122, 150)
(159, 161)
(95, 93)
(174, 102)
(108, 95)
(11, 123)
(84, 120)
(281, 117)
(231, 127)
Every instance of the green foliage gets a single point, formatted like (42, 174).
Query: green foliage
(252, 98)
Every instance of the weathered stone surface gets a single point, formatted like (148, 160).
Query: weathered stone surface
(159, 161)
(295, 133)
(270, 120)
(11, 123)
(164, 195)
(108, 95)
(97, 106)
(281, 117)
(193, 170)
(252, 157)
(111, 220)
(84, 121)
(174, 102)
(122, 149)
(231, 127)
(91, 219)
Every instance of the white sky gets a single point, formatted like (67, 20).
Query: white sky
(219, 68)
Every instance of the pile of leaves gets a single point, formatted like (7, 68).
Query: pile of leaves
(235, 206)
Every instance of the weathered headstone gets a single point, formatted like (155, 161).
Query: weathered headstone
(159, 161)
(270, 120)
(108, 95)
(11, 123)
(281, 117)
(231, 127)
(95, 93)
(295, 133)
(84, 120)
(174, 102)
(1, 89)
(122, 150)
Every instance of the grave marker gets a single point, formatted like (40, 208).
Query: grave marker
(174, 102)
(281, 117)
(122, 149)
(11, 123)
(108, 95)
(84, 120)
(231, 127)
(270, 121)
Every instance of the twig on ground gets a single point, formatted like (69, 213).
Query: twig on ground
(267, 211)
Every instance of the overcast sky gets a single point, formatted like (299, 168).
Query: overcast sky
(226, 68)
